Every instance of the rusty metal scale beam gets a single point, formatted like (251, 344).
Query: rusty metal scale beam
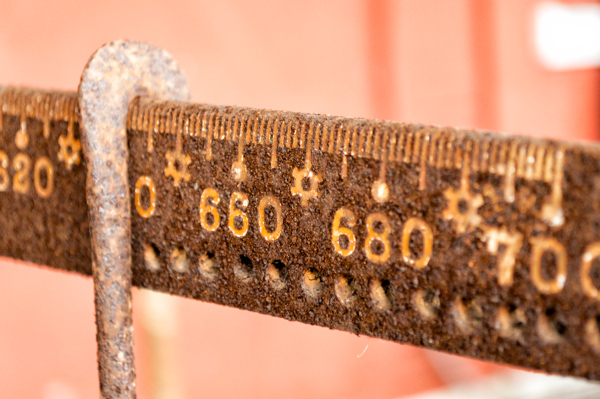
(474, 243)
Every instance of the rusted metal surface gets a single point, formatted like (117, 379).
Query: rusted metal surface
(468, 242)
(114, 75)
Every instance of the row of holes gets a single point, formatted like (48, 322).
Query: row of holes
(468, 314)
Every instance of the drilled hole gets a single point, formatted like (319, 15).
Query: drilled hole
(592, 333)
(276, 274)
(345, 290)
(179, 260)
(151, 257)
(511, 322)
(208, 266)
(468, 314)
(380, 294)
(474, 312)
(550, 328)
(244, 269)
(561, 328)
(427, 302)
(312, 283)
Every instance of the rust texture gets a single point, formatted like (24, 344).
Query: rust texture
(468, 242)
(114, 75)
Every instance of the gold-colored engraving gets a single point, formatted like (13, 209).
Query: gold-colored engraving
(43, 164)
(591, 253)
(314, 180)
(145, 181)
(177, 162)
(274, 144)
(382, 237)
(4, 177)
(539, 246)
(338, 231)
(270, 201)
(413, 157)
(209, 135)
(206, 209)
(22, 166)
(345, 151)
(380, 191)
(69, 148)
(177, 166)
(306, 173)
(239, 169)
(46, 127)
(256, 137)
(512, 241)
(22, 137)
(509, 174)
(339, 135)
(241, 200)
(423, 163)
(552, 212)
(152, 128)
(410, 226)
(463, 205)
(538, 169)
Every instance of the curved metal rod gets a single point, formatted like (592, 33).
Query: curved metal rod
(114, 75)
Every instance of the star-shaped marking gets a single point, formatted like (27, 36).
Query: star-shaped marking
(177, 166)
(467, 218)
(314, 179)
(69, 149)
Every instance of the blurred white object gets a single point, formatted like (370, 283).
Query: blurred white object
(517, 385)
(567, 36)
(159, 320)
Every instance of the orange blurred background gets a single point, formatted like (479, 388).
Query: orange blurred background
(467, 63)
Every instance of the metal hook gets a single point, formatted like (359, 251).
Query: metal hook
(114, 75)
